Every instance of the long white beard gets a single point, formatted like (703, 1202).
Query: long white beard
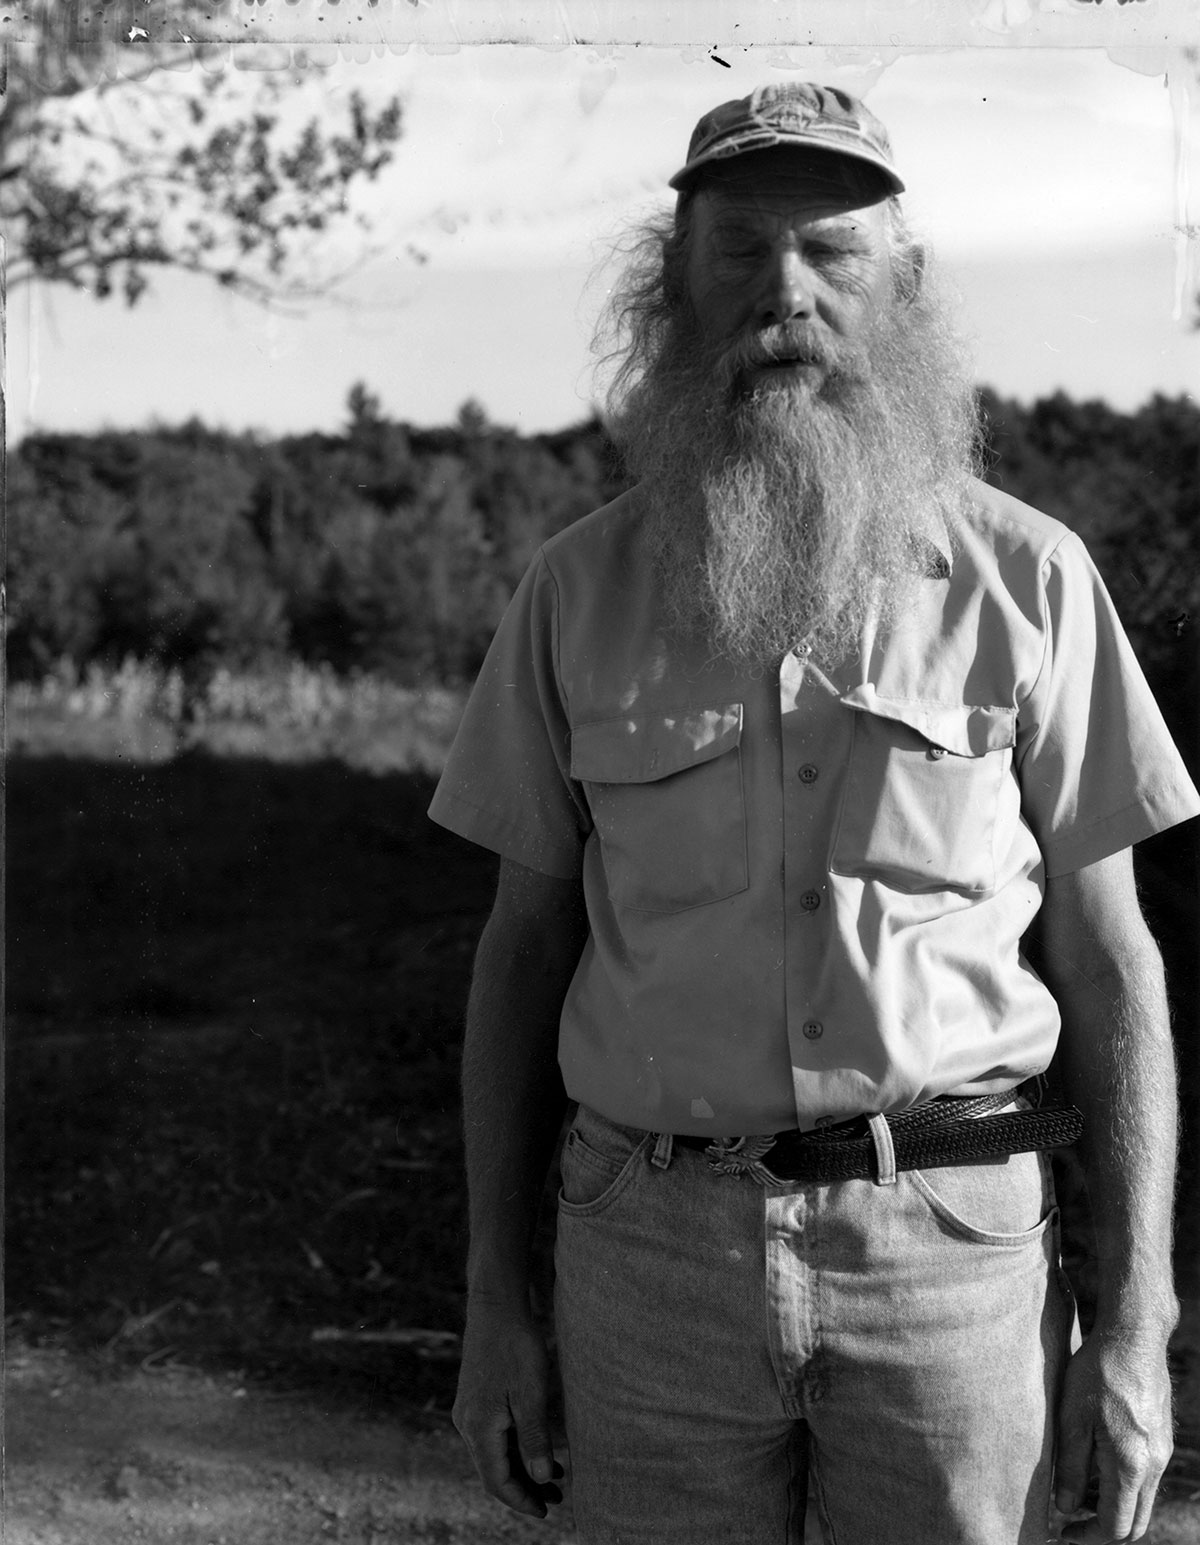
(788, 514)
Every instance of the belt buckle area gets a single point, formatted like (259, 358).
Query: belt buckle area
(740, 1156)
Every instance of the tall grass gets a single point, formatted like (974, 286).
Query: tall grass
(291, 712)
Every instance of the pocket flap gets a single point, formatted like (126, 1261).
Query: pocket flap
(640, 748)
(966, 729)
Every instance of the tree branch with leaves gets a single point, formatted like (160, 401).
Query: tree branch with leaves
(120, 157)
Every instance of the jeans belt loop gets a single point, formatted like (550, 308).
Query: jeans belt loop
(664, 1146)
(885, 1152)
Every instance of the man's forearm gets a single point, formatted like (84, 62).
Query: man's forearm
(513, 1103)
(513, 1099)
(1118, 1067)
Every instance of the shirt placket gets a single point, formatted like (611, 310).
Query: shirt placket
(815, 730)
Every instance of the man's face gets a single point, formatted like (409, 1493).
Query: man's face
(771, 249)
(802, 419)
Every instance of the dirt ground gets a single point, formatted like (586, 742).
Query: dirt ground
(177, 1457)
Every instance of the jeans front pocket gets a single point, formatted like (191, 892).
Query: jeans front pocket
(599, 1160)
(665, 792)
(922, 813)
(1005, 1202)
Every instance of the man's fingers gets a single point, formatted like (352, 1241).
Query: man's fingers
(1086, 1532)
(497, 1458)
(1121, 1512)
(1120, 1486)
(534, 1448)
(539, 1473)
(515, 1458)
(1145, 1509)
(1127, 1493)
(1071, 1466)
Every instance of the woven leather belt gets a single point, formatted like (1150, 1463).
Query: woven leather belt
(947, 1130)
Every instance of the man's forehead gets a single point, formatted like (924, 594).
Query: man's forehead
(760, 203)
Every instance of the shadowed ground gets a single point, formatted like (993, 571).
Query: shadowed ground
(235, 995)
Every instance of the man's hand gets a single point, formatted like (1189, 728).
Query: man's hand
(1114, 1423)
(502, 1407)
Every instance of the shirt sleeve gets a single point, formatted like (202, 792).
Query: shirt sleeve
(1097, 765)
(507, 783)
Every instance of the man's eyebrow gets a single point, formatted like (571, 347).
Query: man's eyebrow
(838, 228)
(830, 228)
(736, 221)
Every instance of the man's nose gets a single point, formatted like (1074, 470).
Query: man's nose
(787, 293)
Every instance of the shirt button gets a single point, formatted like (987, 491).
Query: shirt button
(808, 773)
(824, 1121)
(937, 751)
(810, 900)
(813, 1029)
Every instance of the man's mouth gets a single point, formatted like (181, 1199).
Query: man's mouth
(784, 354)
(757, 360)
(797, 367)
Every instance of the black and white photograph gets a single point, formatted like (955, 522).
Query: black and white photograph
(602, 739)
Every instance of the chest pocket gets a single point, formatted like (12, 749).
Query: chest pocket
(927, 791)
(665, 791)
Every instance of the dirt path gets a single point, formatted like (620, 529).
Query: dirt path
(180, 1458)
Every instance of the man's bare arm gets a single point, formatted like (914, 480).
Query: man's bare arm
(513, 1105)
(1096, 954)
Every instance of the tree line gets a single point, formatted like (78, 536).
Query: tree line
(394, 549)
(384, 548)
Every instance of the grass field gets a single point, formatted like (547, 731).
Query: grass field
(291, 713)
(235, 993)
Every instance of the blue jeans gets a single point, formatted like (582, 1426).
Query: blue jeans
(726, 1346)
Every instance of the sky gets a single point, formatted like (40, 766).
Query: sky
(1048, 182)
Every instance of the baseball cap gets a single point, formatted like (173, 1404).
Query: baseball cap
(798, 113)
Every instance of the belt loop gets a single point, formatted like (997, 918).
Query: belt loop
(885, 1153)
(664, 1145)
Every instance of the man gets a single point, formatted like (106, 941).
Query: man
(814, 766)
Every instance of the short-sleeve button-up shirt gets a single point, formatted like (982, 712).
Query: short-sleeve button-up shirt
(807, 886)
